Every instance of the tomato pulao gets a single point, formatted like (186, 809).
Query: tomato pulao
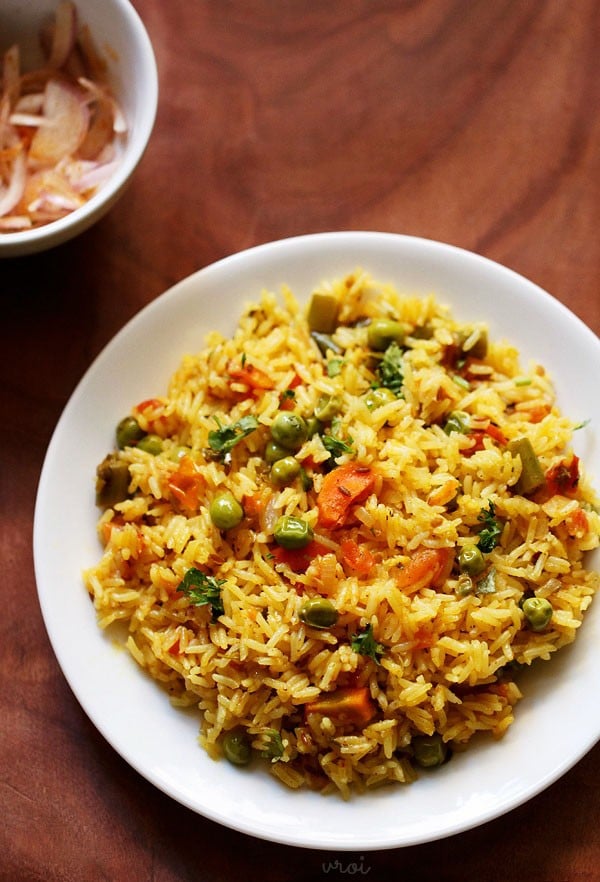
(343, 532)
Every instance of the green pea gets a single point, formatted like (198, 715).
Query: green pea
(429, 750)
(129, 432)
(471, 561)
(274, 451)
(150, 444)
(378, 397)
(328, 406)
(458, 421)
(285, 470)
(538, 612)
(318, 612)
(112, 481)
(288, 429)
(382, 331)
(225, 511)
(236, 747)
(290, 532)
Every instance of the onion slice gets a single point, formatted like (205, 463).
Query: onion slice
(11, 74)
(11, 196)
(65, 32)
(67, 124)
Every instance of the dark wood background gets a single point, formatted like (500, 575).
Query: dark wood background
(471, 121)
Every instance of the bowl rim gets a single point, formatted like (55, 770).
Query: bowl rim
(21, 242)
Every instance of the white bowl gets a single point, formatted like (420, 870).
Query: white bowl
(556, 723)
(115, 26)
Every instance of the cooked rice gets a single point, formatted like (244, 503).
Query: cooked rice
(448, 660)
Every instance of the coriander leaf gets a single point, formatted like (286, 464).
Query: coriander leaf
(364, 643)
(489, 536)
(202, 590)
(333, 443)
(389, 371)
(336, 446)
(224, 439)
(273, 745)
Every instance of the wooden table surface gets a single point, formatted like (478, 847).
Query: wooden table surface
(470, 121)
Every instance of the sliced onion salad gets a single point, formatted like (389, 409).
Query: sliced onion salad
(60, 127)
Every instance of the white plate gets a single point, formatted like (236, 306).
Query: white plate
(134, 714)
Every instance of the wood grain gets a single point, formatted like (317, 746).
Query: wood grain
(471, 122)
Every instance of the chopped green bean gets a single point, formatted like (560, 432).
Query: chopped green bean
(532, 475)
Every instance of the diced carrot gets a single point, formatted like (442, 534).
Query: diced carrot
(341, 489)
(186, 484)
(350, 705)
(356, 557)
(430, 566)
(250, 376)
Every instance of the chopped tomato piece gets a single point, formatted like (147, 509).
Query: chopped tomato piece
(107, 528)
(350, 705)
(250, 376)
(423, 638)
(443, 494)
(175, 648)
(478, 435)
(494, 432)
(538, 412)
(186, 484)
(356, 557)
(254, 504)
(577, 523)
(299, 559)
(563, 478)
(148, 404)
(431, 566)
(287, 399)
(341, 489)
(151, 416)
